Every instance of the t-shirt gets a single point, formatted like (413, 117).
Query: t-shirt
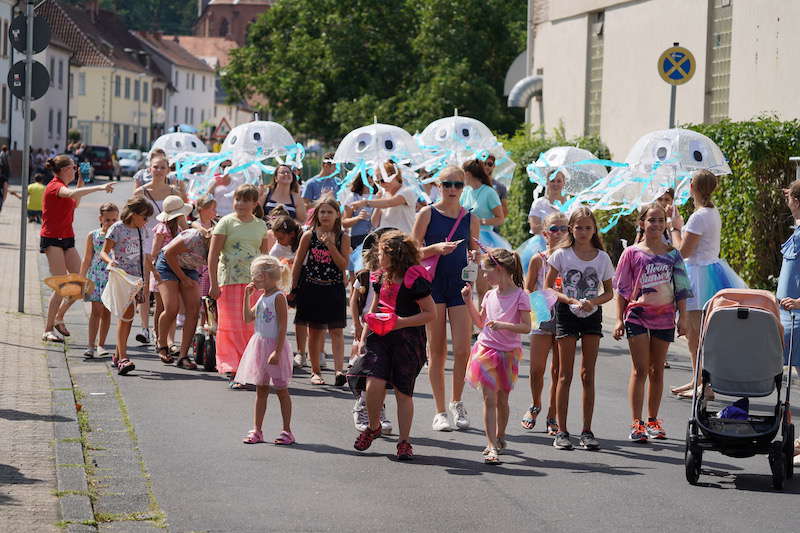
(242, 245)
(401, 216)
(197, 256)
(57, 212)
(501, 190)
(316, 187)
(480, 201)
(706, 223)
(279, 251)
(503, 308)
(35, 194)
(581, 279)
(127, 250)
(542, 208)
(652, 284)
(361, 227)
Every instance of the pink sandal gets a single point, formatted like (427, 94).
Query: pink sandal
(254, 437)
(285, 438)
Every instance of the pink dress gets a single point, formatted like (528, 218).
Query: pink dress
(253, 367)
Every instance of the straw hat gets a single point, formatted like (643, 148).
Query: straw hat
(70, 285)
(173, 207)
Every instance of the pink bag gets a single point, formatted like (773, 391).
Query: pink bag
(430, 262)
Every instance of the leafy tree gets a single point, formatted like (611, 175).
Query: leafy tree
(168, 16)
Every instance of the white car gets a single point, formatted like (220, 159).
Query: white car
(130, 161)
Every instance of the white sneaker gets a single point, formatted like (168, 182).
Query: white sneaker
(386, 424)
(440, 422)
(459, 414)
(360, 416)
(102, 350)
(90, 352)
(299, 360)
(144, 337)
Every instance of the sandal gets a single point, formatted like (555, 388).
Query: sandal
(316, 379)
(164, 355)
(49, 336)
(61, 328)
(365, 438)
(186, 363)
(254, 437)
(552, 427)
(285, 438)
(529, 420)
(125, 366)
(237, 386)
(682, 388)
(174, 351)
(491, 457)
(501, 445)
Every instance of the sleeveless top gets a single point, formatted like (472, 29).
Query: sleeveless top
(319, 265)
(266, 323)
(280, 251)
(270, 204)
(439, 228)
(97, 268)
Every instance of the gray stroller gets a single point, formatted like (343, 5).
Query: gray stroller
(741, 355)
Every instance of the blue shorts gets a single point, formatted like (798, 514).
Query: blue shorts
(447, 290)
(632, 330)
(167, 274)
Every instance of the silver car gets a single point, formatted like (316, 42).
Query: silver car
(130, 161)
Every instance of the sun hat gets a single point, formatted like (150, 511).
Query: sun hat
(173, 207)
(70, 285)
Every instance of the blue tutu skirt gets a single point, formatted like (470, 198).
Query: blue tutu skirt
(528, 249)
(356, 261)
(490, 239)
(707, 280)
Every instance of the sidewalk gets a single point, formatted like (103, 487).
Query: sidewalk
(28, 500)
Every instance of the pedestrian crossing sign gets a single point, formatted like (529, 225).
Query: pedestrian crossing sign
(676, 65)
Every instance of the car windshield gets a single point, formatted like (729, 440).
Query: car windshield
(99, 152)
(129, 154)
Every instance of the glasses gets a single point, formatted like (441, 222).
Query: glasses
(556, 229)
(450, 184)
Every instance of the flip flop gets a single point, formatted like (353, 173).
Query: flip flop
(317, 380)
(285, 439)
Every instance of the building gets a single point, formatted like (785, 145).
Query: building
(49, 130)
(229, 19)
(193, 82)
(591, 65)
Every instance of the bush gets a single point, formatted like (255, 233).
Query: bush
(73, 136)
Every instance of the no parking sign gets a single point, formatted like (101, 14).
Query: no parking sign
(676, 65)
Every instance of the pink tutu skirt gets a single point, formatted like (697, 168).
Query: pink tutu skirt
(253, 367)
(493, 369)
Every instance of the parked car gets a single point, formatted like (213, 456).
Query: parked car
(100, 158)
(130, 161)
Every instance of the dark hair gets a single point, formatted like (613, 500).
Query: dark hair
(294, 187)
(704, 182)
(289, 226)
(582, 212)
(138, 205)
(794, 189)
(39, 177)
(475, 167)
(108, 207)
(643, 216)
(55, 164)
(507, 260)
(203, 202)
(358, 186)
(173, 227)
(402, 252)
(328, 155)
(329, 200)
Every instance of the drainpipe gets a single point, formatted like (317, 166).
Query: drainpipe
(10, 96)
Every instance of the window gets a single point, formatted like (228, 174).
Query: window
(71, 83)
(60, 73)
(158, 97)
(187, 80)
(193, 80)
(58, 123)
(52, 71)
(175, 114)
(718, 71)
(594, 74)
(117, 86)
(203, 83)
(137, 90)
(186, 115)
(145, 92)
(82, 83)
(202, 116)
(177, 78)
(127, 88)
(3, 102)
(5, 40)
(50, 123)
(191, 116)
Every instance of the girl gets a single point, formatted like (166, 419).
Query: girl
(57, 238)
(651, 283)
(322, 258)
(396, 356)
(267, 358)
(666, 201)
(285, 191)
(395, 205)
(446, 230)
(542, 339)
(206, 208)
(124, 248)
(698, 243)
(94, 269)
(494, 363)
(236, 240)
(546, 205)
(579, 317)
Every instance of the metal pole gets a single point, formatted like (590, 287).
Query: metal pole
(672, 92)
(26, 156)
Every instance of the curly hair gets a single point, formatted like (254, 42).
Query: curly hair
(402, 252)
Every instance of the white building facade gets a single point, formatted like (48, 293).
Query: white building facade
(11, 110)
(49, 129)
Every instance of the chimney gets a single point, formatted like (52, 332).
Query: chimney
(94, 10)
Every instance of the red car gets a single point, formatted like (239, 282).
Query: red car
(100, 158)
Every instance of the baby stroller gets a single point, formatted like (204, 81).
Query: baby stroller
(204, 344)
(741, 355)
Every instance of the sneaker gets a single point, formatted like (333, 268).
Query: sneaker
(404, 451)
(144, 337)
(562, 442)
(90, 352)
(638, 432)
(588, 442)
(655, 429)
(386, 424)
(299, 360)
(552, 427)
(459, 414)
(440, 422)
(102, 350)
(360, 416)
(364, 440)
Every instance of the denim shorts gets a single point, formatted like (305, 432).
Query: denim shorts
(570, 325)
(167, 274)
(632, 330)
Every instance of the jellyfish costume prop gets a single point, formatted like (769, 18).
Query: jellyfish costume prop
(528, 249)
(178, 144)
(581, 169)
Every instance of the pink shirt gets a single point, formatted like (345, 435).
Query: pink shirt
(503, 308)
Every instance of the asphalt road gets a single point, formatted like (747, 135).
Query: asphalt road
(190, 426)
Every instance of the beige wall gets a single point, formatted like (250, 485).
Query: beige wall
(569, 8)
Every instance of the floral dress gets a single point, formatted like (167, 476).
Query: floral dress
(97, 272)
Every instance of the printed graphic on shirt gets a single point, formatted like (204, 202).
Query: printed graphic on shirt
(581, 284)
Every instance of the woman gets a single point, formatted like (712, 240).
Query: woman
(395, 205)
(447, 230)
(285, 191)
(222, 190)
(546, 205)
(57, 238)
(155, 191)
(357, 220)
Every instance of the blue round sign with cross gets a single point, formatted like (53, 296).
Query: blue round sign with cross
(676, 65)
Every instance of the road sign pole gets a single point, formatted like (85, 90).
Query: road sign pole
(672, 93)
(26, 156)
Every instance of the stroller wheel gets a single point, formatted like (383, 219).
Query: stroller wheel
(788, 449)
(210, 354)
(777, 464)
(198, 342)
(694, 460)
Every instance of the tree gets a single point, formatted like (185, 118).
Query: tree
(168, 16)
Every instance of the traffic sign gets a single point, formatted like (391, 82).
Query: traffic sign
(40, 81)
(676, 65)
(18, 33)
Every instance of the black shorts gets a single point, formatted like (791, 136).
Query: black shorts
(666, 335)
(64, 244)
(570, 325)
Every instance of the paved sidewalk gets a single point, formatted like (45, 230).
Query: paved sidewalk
(28, 499)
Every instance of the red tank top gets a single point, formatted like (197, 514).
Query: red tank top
(57, 212)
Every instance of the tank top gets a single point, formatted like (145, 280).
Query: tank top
(270, 204)
(280, 251)
(266, 324)
(439, 228)
(319, 265)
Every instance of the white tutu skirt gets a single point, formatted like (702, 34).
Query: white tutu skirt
(253, 368)
(707, 280)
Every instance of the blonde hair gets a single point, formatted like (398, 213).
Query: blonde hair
(451, 171)
(272, 267)
(552, 218)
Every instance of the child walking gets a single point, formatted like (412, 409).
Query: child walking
(543, 338)
(583, 266)
(94, 268)
(267, 359)
(494, 363)
(124, 248)
(318, 285)
(651, 283)
(394, 339)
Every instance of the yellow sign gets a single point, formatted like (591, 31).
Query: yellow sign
(676, 65)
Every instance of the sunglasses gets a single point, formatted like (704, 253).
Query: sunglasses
(450, 184)
(488, 164)
(556, 229)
